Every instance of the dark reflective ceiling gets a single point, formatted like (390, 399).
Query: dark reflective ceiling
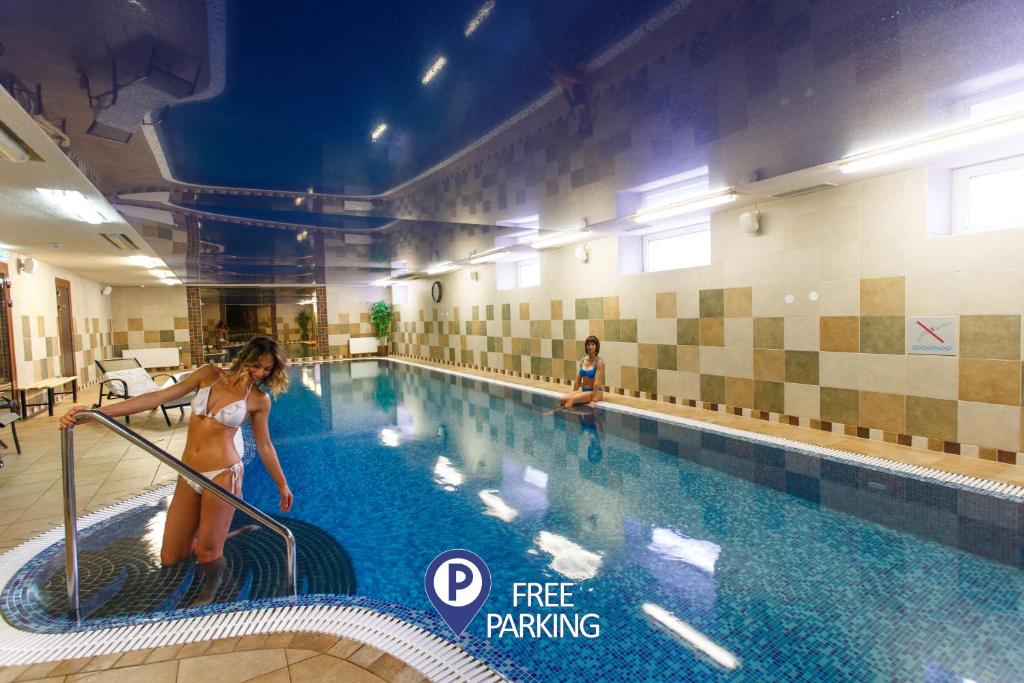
(307, 81)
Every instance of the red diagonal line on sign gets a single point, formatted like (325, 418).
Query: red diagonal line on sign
(929, 331)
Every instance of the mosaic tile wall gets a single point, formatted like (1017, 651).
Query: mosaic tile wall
(348, 315)
(726, 84)
(803, 323)
(150, 318)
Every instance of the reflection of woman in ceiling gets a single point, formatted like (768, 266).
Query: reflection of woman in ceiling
(197, 521)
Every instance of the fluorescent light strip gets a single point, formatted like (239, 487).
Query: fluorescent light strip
(439, 268)
(378, 131)
(74, 204)
(704, 201)
(560, 239)
(10, 148)
(489, 257)
(935, 143)
(479, 18)
(434, 69)
(690, 635)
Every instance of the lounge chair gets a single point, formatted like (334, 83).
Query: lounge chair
(9, 417)
(126, 378)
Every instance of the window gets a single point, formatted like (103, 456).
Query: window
(685, 247)
(985, 196)
(529, 273)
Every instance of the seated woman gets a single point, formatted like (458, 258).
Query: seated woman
(197, 521)
(587, 387)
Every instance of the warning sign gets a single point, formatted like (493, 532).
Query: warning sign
(931, 335)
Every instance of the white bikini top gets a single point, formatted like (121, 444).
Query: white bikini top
(232, 415)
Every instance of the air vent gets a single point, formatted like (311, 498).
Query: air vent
(404, 276)
(804, 190)
(120, 241)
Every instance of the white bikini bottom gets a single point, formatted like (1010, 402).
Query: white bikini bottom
(236, 474)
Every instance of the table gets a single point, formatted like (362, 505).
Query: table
(50, 385)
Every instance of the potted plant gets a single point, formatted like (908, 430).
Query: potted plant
(304, 319)
(381, 316)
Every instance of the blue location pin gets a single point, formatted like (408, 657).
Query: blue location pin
(457, 583)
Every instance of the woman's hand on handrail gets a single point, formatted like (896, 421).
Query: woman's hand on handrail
(69, 419)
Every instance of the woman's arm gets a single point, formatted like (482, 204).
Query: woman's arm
(576, 382)
(268, 454)
(598, 382)
(153, 399)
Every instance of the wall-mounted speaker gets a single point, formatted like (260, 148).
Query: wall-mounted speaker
(107, 289)
(750, 222)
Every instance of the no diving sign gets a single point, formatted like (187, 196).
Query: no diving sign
(934, 336)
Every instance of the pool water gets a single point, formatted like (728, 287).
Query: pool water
(400, 463)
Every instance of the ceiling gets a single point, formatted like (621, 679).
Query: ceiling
(307, 82)
(33, 226)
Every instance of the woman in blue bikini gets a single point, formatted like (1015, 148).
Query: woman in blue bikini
(587, 387)
(197, 522)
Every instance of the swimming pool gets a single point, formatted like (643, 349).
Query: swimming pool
(769, 553)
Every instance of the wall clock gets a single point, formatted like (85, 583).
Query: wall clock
(435, 292)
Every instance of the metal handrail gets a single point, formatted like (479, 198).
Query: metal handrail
(67, 452)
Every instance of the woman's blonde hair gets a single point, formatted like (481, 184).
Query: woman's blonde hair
(249, 356)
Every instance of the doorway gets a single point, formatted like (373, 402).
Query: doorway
(64, 329)
(8, 378)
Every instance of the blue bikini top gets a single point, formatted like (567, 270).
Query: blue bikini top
(592, 372)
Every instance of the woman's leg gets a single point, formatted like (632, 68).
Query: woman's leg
(577, 397)
(215, 519)
(180, 527)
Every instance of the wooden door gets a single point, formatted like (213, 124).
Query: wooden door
(8, 375)
(64, 329)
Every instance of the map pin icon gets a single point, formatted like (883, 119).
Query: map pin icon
(457, 583)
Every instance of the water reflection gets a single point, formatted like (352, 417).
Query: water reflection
(569, 559)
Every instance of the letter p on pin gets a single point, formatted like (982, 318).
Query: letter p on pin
(459, 576)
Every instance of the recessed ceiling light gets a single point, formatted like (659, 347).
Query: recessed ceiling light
(73, 204)
(479, 18)
(434, 69)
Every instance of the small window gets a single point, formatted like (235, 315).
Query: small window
(687, 247)
(529, 273)
(985, 196)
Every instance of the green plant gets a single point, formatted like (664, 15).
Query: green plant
(304, 319)
(382, 315)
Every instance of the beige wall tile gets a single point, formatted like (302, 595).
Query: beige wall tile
(803, 400)
(714, 360)
(883, 296)
(648, 355)
(688, 303)
(883, 411)
(653, 330)
(996, 426)
(630, 378)
(991, 292)
(935, 294)
(883, 258)
(932, 417)
(769, 301)
(932, 376)
(840, 370)
(990, 336)
(840, 333)
(990, 381)
(840, 261)
(739, 332)
(800, 265)
(883, 373)
(679, 384)
(839, 297)
(801, 333)
(688, 358)
(740, 361)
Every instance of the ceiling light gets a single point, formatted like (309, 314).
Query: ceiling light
(434, 70)
(479, 18)
(439, 268)
(11, 148)
(703, 201)
(145, 261)
(170, 281)
(160, 273)
(558, 239)
(73, 204)
(489, 257)
(379, 130)
(934, 143)
(383, 282)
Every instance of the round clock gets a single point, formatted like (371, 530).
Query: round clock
(435, 292)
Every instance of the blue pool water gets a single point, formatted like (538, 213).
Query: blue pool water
(399, 464)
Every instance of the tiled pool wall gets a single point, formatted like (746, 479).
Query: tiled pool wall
(989, 524)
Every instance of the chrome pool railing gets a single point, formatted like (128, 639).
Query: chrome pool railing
(67, 452)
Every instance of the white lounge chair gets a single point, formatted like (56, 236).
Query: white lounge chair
(126, 378)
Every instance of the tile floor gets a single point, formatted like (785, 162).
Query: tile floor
(109, 469)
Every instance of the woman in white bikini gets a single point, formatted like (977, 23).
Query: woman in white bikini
(198, 522)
